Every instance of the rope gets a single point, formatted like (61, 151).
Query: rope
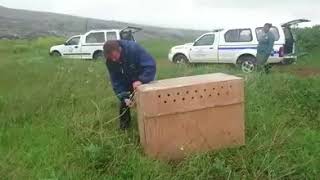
(131, 97)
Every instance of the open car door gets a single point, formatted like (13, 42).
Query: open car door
(294, 22)
(127, 33)
(289, 47)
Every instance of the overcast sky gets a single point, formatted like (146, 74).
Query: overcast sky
(195, 14)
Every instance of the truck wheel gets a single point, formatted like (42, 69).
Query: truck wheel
(247, 63)
(98, 55)
(180, 59)
(56, 54)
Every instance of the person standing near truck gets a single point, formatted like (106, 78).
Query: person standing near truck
(265, 48)
(129, 66)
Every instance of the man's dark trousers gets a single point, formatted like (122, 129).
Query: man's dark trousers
(125, 116)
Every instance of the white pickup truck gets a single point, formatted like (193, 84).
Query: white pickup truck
(90, 45)
(237, 45)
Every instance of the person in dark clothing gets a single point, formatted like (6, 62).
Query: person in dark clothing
(265, 48)
(129, 66)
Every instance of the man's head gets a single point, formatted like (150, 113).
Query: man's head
(112, 50)
(267, 27)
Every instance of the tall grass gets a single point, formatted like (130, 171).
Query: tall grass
(57, 122)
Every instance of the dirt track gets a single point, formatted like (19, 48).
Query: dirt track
(301, 71)
(306, 71)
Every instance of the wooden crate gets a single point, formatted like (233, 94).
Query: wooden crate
(186, 115)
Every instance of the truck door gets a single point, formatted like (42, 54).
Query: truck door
(205, 49)
(92, 43)
(72, 48)
(127, 33)
(289, 47)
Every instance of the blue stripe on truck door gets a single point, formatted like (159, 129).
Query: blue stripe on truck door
(235, 48)
(240, 48)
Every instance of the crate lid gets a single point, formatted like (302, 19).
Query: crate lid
(187, 81)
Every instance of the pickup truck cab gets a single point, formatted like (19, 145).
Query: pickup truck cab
(237, 46)
(90, 45)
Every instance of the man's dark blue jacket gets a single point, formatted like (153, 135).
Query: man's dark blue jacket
(135, 64)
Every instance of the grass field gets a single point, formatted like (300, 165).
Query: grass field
(57, 121)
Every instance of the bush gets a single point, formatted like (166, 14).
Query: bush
(308, 39)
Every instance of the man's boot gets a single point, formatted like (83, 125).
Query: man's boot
(267, 68)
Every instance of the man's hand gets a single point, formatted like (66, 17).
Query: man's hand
(136, 84)
(129, 103)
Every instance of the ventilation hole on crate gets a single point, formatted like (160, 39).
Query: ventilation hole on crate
(174, 100)
(205, 90)
(210, 95)
(221, 87)
(192, 98)
(159, 96)
(196, 91)
(213, 88)
(218, 94)
(168, 95)
(183, 99)
(178, 93)
(230, 86)
(187, 92)
(165, 102)
(201, 96)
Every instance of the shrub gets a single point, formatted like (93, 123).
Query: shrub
(308, 38)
